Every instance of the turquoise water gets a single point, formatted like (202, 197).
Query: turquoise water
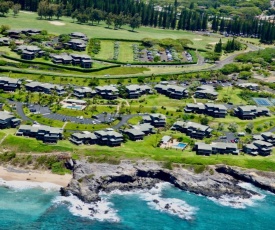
(180, 145)
(74, 107)
(26, 206)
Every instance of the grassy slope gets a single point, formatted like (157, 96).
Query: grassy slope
(133, 150)
(26, 20)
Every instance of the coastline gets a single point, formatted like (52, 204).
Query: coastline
(18, 174)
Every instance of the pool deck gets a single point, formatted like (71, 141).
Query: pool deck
(172, 145)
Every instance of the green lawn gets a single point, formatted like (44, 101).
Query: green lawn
(28, 20)
(139, 150)
(126, 53)
(88, 112)
(135, 120)
(232, 95)
(106, 50)
(265, 123)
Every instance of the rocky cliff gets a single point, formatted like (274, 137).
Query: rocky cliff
(216, 181)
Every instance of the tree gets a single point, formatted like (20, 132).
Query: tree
(16, 8)
(204, 121)
(68, 10)
(109, 19)
(135, 22)
(4, 7)
(51, 11)
(59, 10)
(249, 127)
(4, 28)
(42, 10)
(233, 127)
(74, 15)
(218, 47)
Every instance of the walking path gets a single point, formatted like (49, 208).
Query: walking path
(3, 139)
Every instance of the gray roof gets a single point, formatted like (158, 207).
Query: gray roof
(84, 90)
(158, 116)
(36, 128)
(217, 106)
(135, 132)
(5, 115)
(10, 80)
(85, 134)
(264, 143)
(146, 127)
(223, 145)
(107, 88)
(203, 146)
(165, 139)
(109, 133)
(196, 125)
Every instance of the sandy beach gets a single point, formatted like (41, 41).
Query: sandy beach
(16, 174)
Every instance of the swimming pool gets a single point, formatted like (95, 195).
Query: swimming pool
(180, 146)
(77, 107)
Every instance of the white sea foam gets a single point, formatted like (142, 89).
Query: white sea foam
(23, 185)
(154, 200)
(101, 210)
(250, 187)
(237, 202)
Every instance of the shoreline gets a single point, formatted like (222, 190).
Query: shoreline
(19, 174)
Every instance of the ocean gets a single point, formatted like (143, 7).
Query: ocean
(31, 206)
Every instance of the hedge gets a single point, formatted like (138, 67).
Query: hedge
(145, 63)
(60, 66)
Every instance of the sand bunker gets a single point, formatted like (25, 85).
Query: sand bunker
(56, 23)
(212, 43)
(26, 12)
(197, 39)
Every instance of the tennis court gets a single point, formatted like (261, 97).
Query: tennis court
(262, 101)
(273, 101)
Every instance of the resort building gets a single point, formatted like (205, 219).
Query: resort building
(266, 136)
(135, 91)
(84, 92)
(8, 120)
(108, 92)
(64, 59)
(4, 41)
(109, 137)
(41, 132)
(134, 134)
(165, 140)
(210, 109)
(248, 85)
(14, 33)
(172, 91)
(9, 84)
(146, 128)
(192, 129)
(215, 148)
(206, 92)
(29, 52)
(74, 104)
(258, 147)
(249, 112)
(79, 35)
(76, 44)
(156, 119)
(46, 88)
(83, 137)
(82, 60)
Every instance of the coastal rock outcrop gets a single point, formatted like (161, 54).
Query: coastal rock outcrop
(260, 179)
(89, 179)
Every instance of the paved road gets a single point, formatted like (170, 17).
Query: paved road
(124, 120)
(19, 110)
(47, 113)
